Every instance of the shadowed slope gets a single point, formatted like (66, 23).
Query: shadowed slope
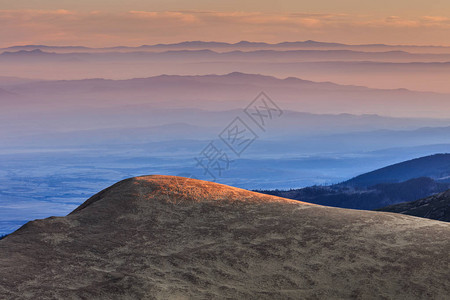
(162, 237)
(436, 207)
(435, 166)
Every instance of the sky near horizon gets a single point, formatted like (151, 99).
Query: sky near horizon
(135, 22)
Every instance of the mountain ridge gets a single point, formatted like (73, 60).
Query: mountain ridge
(347, 56)
(402, 171)
(224, 44)
(233, 77)
(405, 181)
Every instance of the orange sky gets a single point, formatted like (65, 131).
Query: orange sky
(136, 22)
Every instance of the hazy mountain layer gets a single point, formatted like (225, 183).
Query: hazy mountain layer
(243, 45)
(223, 92)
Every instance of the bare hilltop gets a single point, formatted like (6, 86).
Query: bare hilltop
(164, 237)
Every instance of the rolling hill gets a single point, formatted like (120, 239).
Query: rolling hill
(434, 166)
(406, 181)
(162, 237)
(436, 207)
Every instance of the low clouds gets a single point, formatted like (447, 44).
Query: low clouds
(98, 28)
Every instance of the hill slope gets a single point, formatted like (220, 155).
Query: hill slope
(161, 237)
(434, 166)
(436, 207)
(369, 198)
(406, 181)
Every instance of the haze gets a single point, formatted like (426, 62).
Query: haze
(110, 23)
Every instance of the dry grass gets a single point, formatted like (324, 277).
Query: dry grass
(163, 237)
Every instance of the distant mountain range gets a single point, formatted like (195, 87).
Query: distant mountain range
(406, 181)
(423, 68)
(228, 91)
(89, 109)
(204, 55)
(222, 45)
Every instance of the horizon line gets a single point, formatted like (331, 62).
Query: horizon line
(323, 43)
